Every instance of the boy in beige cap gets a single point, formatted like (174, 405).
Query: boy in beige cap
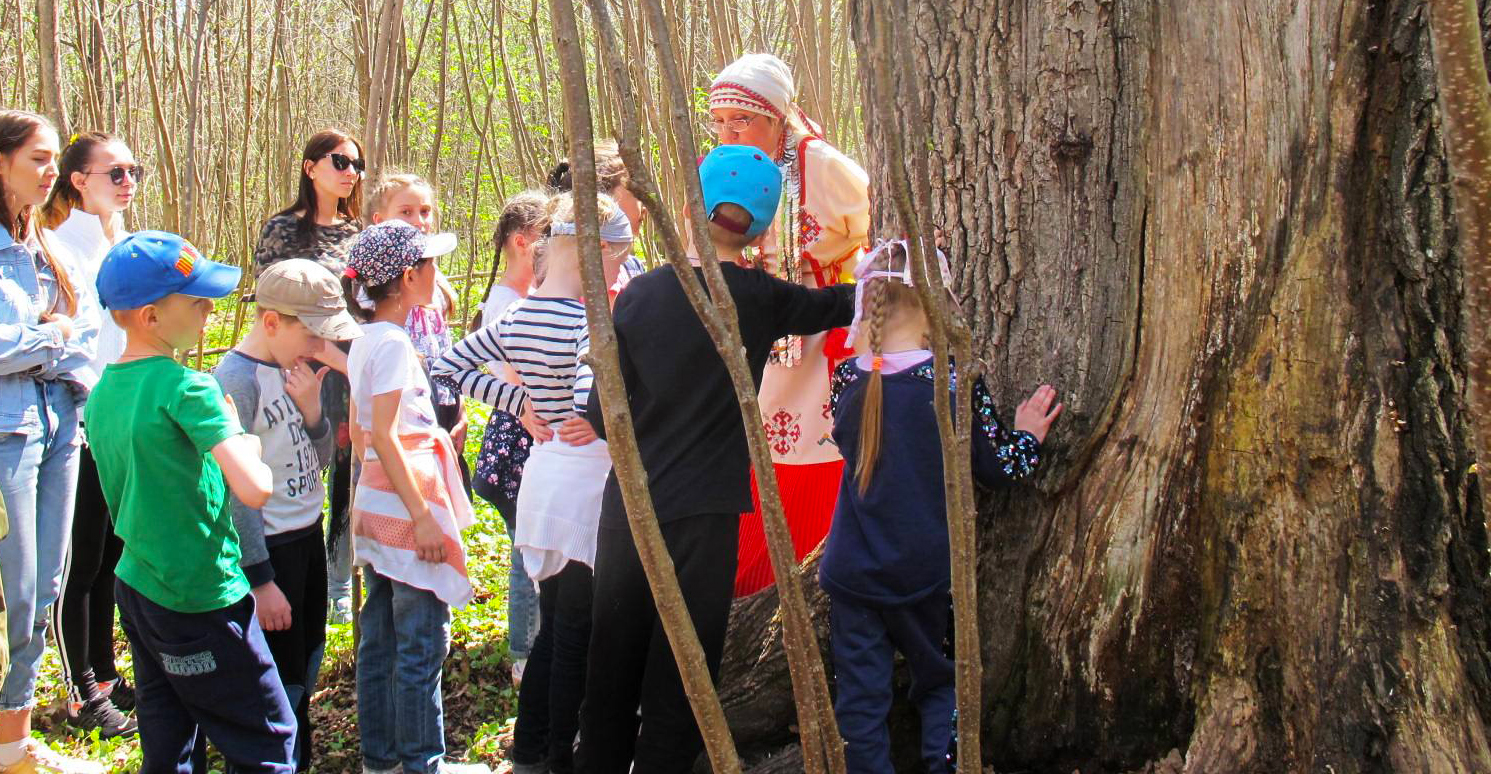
(278, 398)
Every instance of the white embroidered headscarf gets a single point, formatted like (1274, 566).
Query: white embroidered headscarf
(759, 83)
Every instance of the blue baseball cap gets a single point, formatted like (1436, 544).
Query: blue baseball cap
(150, 265)
(744, 176)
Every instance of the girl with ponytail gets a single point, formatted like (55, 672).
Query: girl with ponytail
(506, 442)
(886, 566)
(97, 179)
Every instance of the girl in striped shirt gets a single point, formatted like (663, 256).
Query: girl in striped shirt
(543, 339)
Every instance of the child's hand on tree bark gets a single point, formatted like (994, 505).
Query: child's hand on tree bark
(1037, 412)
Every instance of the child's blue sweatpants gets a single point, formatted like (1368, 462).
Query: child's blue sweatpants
(864, 641)
(205, 673)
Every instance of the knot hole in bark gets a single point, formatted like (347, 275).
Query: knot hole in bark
(1071, 148)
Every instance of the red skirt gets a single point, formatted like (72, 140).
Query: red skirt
(809, 493)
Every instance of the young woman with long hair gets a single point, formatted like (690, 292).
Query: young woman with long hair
(48, 338)
(321, 225)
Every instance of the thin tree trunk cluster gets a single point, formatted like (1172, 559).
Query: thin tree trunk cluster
(217, 97)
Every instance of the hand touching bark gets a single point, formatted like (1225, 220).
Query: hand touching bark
(1038, 411)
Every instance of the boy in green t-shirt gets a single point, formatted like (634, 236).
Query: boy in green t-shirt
(165, 440)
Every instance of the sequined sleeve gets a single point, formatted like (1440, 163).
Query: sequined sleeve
(1000, 454)
(843, 376)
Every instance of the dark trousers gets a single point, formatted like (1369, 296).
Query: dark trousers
(300, 572)
(447, 416)
(554, 681)
(83, 619)
(864, 641)
(631, 663)
(205, 674)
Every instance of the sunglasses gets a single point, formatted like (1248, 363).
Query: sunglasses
(117, 174)
(340, 162)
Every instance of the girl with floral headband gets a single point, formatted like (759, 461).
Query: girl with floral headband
(886, 566)
(408, 511)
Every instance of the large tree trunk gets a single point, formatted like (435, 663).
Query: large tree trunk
(1225, 231)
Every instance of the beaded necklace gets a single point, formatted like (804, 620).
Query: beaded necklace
(787, 351)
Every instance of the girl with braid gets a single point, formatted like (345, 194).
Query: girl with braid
(506, 442)
(886, 567)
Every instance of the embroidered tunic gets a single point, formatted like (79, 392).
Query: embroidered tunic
(820, 233)
(825, 218)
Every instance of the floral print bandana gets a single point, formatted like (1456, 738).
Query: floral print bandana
(383, 251)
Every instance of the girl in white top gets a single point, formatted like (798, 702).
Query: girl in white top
(97, 179)
(544, 338)
(408, 511)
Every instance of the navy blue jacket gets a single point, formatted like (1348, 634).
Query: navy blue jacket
(889, 546)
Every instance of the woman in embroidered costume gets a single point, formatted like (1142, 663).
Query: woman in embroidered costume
(820, 232)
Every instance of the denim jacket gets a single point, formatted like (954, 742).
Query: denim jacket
(31, 351)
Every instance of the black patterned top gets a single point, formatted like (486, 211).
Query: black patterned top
(327, 245)
(1017, 452)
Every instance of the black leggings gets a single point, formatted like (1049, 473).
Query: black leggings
(554, 681)
(83, 618)
(631, 662)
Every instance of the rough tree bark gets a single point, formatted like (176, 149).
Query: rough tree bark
(1225, 231)
(1465, 103)
(49, 61)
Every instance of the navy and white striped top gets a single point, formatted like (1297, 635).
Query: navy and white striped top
(542, 339)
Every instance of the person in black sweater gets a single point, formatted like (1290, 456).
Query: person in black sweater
(886, 565)
(693, 447)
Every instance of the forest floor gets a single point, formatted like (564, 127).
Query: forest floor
(480, 701)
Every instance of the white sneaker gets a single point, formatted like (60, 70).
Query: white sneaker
(446, 767)
(41, 759)
(341, 612)
(518, 667)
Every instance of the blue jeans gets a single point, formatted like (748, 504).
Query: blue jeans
(38, 480)
(522, 594)
(339, 547)
(405, 638)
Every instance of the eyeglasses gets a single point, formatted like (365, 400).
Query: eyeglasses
(340, 162)
(736, 125)
(116, 174)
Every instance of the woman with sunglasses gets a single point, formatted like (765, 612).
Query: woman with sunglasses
(325, 218)
(97, 179)
(321, 225)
